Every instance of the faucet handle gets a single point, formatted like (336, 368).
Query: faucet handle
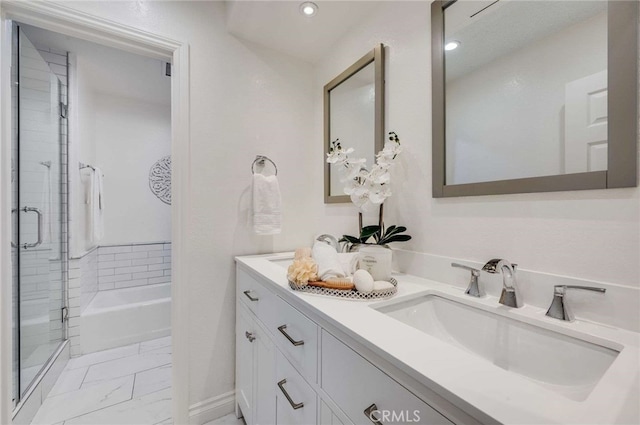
(559, 308)
(474, 272)
(473, 289)
(562, 289)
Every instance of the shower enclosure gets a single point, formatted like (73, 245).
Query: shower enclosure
(39, 230)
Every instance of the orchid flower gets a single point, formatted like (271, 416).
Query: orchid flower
(366, 188)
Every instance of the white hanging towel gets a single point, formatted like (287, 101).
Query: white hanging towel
(96, 206)
(267, 213)
(46, 206)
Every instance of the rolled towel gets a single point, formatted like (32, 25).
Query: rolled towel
(349, 262)
(326, 257)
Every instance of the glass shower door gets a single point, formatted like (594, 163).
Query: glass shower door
(36, 182)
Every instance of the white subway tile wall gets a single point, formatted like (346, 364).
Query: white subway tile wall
(124, 266)
(83, 286)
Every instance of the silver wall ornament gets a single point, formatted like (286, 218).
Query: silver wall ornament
(160, 179)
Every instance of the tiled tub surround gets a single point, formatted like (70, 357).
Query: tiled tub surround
(123, 266)
(113, 267)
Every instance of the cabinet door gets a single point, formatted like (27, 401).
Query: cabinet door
(265, 364)
(244, 363)
(295, 400)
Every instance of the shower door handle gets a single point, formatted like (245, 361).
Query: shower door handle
(13, 244)
(39, 214)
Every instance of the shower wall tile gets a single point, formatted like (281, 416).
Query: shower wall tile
(125, 266)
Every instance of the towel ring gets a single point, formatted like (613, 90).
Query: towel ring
(260, 161)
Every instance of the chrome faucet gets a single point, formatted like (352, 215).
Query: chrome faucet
(510, 295)
(559, 308)
(473, 289)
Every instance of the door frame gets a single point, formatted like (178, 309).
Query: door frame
(67, 21)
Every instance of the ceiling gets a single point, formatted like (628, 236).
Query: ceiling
(111, 71)
(279, 25)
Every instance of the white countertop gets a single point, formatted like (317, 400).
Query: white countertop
(502, 395)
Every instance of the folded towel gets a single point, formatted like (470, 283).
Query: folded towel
(349, 262)
(267, 214)
(326, 257)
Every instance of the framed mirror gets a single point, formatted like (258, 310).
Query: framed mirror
(354, 114)
(534, 96)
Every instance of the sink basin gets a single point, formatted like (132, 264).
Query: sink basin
(566, 365)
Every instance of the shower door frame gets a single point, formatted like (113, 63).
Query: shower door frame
(61, 19)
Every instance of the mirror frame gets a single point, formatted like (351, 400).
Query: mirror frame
(622, 104)
(375, 56)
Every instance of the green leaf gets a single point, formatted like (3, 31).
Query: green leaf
(350, 239)
(396, 238)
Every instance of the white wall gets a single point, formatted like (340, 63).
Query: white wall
(130, 136)
(586, 234)
(494, 113)
(245, 100)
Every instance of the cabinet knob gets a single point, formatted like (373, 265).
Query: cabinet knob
(250, 336)
(369, 412)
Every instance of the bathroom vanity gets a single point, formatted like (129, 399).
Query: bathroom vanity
(430, 355)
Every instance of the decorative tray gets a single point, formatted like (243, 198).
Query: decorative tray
(351, 294)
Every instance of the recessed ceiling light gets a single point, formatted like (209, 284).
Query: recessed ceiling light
(308, 8)
(452, 45)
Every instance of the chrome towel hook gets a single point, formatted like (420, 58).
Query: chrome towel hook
(260, 159)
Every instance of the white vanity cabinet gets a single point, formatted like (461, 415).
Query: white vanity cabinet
(290, 370)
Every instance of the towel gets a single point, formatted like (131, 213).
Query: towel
(267, 214)
(96, 206)
(326, 257)
(349, 262)
(46, 203)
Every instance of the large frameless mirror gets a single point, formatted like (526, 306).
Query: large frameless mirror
(354, 115)
(532, 96)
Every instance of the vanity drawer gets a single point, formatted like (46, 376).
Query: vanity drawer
(252, 294)
(297, 337)
(296, 402)
(356, 385)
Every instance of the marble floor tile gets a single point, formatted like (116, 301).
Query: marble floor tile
(152, 380)
(103, 356)
(149, 409)
(69, 380)
(80, 402)
(155, 343)
(125, 366)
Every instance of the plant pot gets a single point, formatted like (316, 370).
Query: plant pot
(376, 259)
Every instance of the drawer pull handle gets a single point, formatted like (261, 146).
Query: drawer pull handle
(291, 340)
(250, 336)
(369, 411)
(249, 296)
(295, 406)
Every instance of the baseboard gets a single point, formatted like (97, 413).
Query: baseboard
(212, 408)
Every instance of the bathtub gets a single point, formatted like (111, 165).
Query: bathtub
(125, 316)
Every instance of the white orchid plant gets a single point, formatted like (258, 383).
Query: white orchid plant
(366, 188)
